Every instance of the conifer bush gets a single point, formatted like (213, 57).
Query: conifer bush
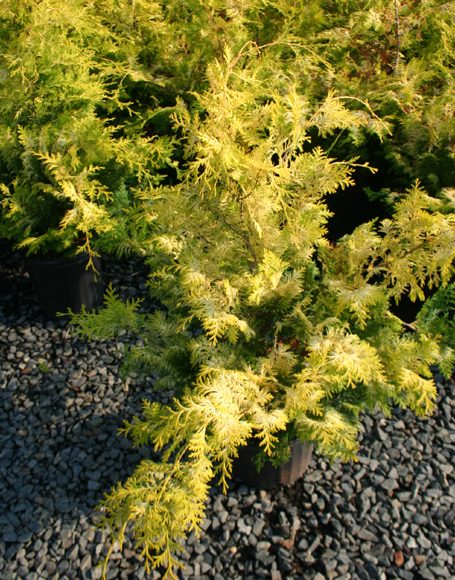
(268, 331)
(70, 168)
(87, 91)
(209, 137)
(399, 57)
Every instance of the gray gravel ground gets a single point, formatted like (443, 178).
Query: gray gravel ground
(391, 515)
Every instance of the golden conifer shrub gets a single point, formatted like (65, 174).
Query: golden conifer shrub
(270, 331)
(70, 166)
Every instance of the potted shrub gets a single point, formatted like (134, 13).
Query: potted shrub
(397, 56)
(270, 332)
(69, 167)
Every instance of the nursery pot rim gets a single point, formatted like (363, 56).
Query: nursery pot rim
(270, 476)
(58, 261)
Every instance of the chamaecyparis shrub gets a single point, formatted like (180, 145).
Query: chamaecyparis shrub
(268, 330)
(399, 57)
(69, 166)
(396, 56)
(86, 88)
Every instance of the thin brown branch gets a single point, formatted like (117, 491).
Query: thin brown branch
(397, 37)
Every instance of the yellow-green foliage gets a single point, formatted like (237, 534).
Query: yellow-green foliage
(398, 56)
(87, 86)
(437, 318)
(270, 331)
(66, 158)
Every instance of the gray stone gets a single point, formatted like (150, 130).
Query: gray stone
(243, 527)
(440, 572)
(73, 552)
(86, 563)
(366, 535)
(93, 485)
(424, 542)
(390, 484)
(263, 546)
(63, 504)
(62, 566)
(51, 568)
(258, 527)
(426, 574)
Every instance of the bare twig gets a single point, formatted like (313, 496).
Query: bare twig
(397, 36)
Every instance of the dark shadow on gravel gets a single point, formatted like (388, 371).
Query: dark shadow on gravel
(61, 405)
(52, 466)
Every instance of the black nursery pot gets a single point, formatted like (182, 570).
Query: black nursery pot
(244, 468)
(66, 283)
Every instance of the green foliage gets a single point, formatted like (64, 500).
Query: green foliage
(63, 158)
(87, 92)
(268, 329)
(116, 315)
(43, 367)
(399, 57)
(437, 318)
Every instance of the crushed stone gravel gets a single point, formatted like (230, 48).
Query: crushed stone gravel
(390, 515)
